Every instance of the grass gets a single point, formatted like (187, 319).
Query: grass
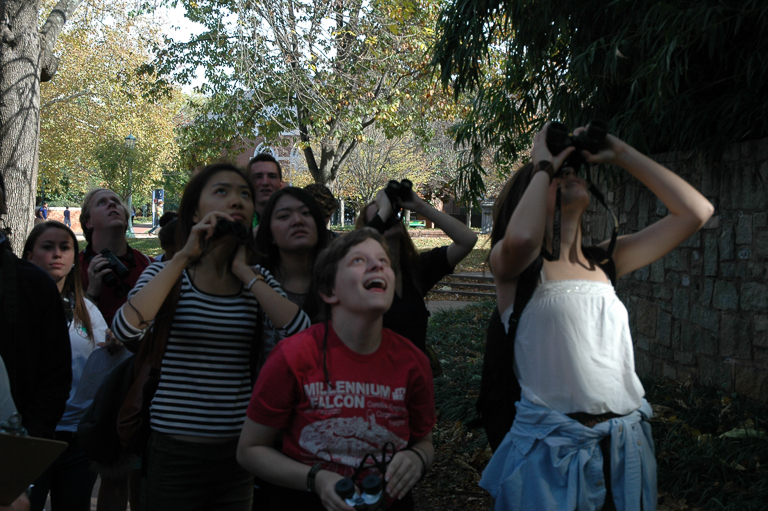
(697, 467)
(475, 261)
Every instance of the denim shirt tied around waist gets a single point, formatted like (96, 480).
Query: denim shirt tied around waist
(549, 461)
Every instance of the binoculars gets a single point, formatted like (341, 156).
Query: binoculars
(226, 228)
(401, 190)
(116, 266)
(592, 140)
(372, 498)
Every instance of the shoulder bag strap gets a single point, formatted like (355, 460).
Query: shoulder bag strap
(152, 347)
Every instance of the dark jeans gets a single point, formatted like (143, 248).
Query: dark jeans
(190, 476)
(70, 481)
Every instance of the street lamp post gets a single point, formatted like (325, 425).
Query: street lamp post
(130, 144)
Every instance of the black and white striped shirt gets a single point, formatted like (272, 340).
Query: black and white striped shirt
(205, 381)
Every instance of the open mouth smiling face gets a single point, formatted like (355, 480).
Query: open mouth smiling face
(375, 284)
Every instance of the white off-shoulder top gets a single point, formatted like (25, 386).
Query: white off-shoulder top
(573, 349)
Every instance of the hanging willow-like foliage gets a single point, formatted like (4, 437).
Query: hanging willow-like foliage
(666, 75)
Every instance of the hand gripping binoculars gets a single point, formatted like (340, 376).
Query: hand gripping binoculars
(401, 190)
(372, 498)
(592, 140)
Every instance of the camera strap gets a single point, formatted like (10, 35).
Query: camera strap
(387, 453)
(555, 255)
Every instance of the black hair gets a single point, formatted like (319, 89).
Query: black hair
(190, 200)
(267, 252)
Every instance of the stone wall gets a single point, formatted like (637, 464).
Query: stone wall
(701, 312)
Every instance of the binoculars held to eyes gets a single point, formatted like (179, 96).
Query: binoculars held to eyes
(225, 228)
(401, 190)
(592, 140)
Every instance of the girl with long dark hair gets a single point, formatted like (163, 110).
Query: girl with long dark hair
(291, 234)
(206, 374)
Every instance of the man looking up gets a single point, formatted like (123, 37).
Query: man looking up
(104, 219)
(267, 177)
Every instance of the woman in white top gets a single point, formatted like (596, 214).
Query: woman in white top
(573, 351)
(53, 247)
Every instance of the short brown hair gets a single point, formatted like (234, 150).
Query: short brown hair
(85, 213)
(327, 263)
(265, 157)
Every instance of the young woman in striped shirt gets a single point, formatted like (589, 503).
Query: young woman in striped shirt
(205, 383)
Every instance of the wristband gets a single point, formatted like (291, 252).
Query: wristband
(421, 458)
(253, 281)
(545, 166)
(311, 477)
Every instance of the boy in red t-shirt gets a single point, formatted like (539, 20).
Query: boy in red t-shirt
(342, 389)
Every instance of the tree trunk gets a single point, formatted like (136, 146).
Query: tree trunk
(26, 59)
(19, 114)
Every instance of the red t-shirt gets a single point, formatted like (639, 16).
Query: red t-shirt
(386, 396)
(112, 298)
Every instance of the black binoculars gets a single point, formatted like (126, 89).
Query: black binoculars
(116, 266)
(226, 228)
(592, 140)
(372, 498)
(401, 190)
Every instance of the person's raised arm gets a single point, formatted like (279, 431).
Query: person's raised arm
(462, 236)
(256, 454)
(280, 310)
(524, 234)
(688, 209)
(143, 306)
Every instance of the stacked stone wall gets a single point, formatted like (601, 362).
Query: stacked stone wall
(701, 312)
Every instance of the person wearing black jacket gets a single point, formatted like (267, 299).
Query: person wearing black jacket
(35, 341)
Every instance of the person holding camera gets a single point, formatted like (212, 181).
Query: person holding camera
(416, 273)
(109, 267)
(580, 437)
(214, 299)
(342, 390)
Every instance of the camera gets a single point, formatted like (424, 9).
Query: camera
(401, 190)
(226, 228)
(116, 266)
(592, 140)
